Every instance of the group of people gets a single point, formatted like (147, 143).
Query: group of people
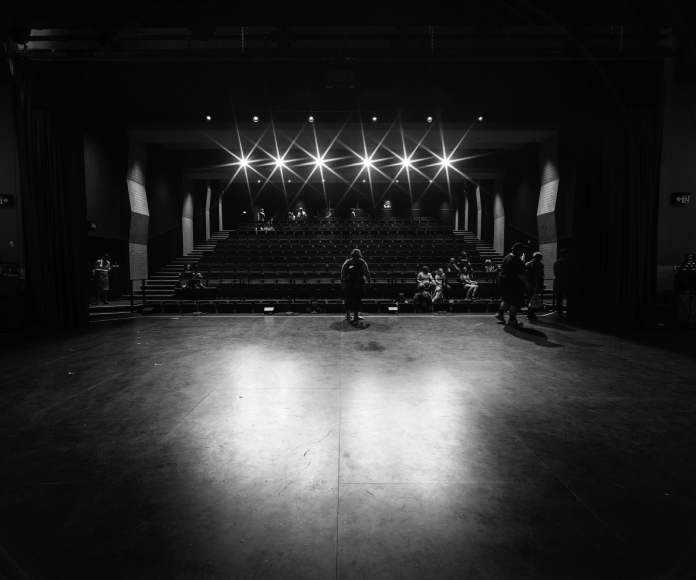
(523, 283)
(520, 283)
(432, 289)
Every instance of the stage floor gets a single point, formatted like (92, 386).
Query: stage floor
(302, 447)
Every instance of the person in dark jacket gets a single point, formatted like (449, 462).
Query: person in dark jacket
(513, 282)
(561, 283)
(535, 274)
(354, 275)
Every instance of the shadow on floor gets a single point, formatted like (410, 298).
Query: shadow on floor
(532, 335)
(554, 325)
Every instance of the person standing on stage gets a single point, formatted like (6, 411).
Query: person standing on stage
(535, 274)
(561, 283)
(513, 282)
(101, 270)
(354, 275)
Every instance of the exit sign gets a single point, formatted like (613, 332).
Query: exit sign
(679, 198)
(6, 200)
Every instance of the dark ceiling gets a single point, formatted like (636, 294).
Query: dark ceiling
(175, 63)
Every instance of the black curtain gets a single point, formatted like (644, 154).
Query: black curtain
(53, 206)
(616, 196)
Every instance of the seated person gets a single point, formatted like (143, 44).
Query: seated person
(313, 307)
(422, 297)
(440, 283)
(469, 284)
(453, 269)
(191, 277)
(490, 269)
(425, 275)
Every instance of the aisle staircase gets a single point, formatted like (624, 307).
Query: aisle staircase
(485, 250)
(159, 286)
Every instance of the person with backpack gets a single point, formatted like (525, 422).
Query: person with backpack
(354, 275)
(535, 275)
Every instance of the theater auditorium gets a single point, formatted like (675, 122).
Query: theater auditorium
(348, 292)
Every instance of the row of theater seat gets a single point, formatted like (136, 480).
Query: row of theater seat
(381, 288)
(299, 306)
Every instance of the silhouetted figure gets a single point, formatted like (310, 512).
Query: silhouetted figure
(561, 283)
(101, 272)
(513, 282)
(354, 275)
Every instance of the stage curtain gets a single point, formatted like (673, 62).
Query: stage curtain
(52, 187)
(615, 210)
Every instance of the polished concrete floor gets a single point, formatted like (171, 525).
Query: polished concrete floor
(302, 447)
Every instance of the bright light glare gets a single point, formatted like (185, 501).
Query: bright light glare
(311, 119)
(244, 162)
(445, 162)
(406, 162)
(280, 162)
(319, 162)
(480, 119)
(255, 119)
(367, 162)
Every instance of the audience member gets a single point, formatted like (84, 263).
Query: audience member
(490, 269)
(422, 297)
(425, 275)
(469, 284)
(261, 217)
(535, 275)
(561, 283)
(291, 217)
(513, 281)
(101, 270)
(191, 277)
(453, 270)
(354, 275)
(440, 282)
(313, 307)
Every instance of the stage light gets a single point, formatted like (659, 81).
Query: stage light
(480, 118)
(243, 162)
(363, 181)
(319, 162)
(258, 181)
(405, 162)
(429, 119)
(289, 180)
(431, 181)
(279, 162)
(366, 161)
(374, 119)
(243, 212)
(445, 162)
(207, 117)
(311, 119)
(255, 119)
